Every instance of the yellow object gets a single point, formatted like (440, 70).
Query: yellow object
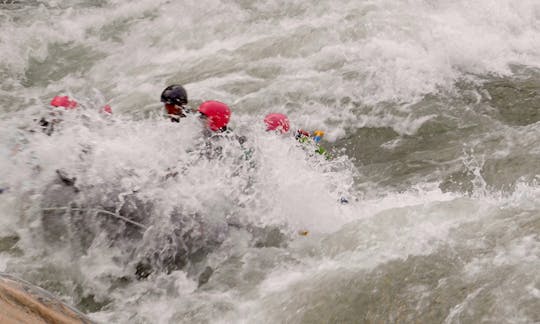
(318, 133)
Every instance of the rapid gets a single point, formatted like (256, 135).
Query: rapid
(431, 111)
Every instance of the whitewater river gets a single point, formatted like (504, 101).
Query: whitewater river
(431, 111)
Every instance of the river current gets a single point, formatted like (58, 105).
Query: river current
(431, 112)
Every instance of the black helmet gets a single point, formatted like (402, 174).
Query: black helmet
(175, 95)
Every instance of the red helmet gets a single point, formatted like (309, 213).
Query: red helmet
(217, 113)
(277, 121)
(63, 101)
(106, 109)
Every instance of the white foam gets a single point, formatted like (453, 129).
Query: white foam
(316, 63)
(396, 51)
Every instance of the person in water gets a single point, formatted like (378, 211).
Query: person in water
(58, 103)
(175, 98)
(304, 137)
(278, 122)
(216, 115)
(61, 104)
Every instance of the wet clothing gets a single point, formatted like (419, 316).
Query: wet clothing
(176, 118)
(308, 142)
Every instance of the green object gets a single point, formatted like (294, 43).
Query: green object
(322, 151)
(305, 140)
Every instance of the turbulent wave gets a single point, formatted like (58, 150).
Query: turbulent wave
(431, 112)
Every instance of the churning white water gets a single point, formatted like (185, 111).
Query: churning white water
(432, 115)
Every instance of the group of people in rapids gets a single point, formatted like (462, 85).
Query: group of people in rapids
(216, 114)
(67, 206)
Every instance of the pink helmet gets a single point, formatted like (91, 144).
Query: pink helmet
(277, 121)
(63, 101)
(106, 109)
(218, 114)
